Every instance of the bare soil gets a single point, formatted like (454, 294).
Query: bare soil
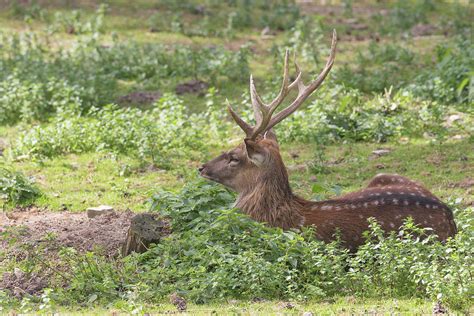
(103, 234)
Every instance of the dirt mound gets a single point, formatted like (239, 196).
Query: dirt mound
(194, 86)
(67, 229)
(139, 98)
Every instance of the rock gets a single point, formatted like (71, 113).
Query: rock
(287, 305)
(307, 314)
(98, 211)
(439, 309)
(381, 152)
(178, 301)
(267, 33)
(301, 167)
(423, 30)
(450, 120)
(22, 158)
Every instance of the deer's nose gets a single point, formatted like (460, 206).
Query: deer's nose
(200, 169)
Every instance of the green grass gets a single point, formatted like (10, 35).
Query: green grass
(340, 306)
(75, 182)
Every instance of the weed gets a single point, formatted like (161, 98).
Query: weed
(15, 188)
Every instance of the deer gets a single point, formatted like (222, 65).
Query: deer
(256, 172)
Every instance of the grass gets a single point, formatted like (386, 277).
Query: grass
(341, 306)
(75, 182)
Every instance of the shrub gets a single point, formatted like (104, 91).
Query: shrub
(15, 188)
(380, 67)
(36, 82)
(159, 134)
(451, 78)
(216, 253)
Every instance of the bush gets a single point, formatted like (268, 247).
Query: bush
(380, 67)
(216, 253)
(341, 113)
(451, 78)
(156, 135)
(37, 82)
(15, 188)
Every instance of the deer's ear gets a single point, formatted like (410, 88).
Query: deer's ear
(255, 152)
(270, 135)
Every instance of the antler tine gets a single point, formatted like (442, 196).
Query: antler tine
(263, 112)
(243, 125)
(305, 91)
(257, 102)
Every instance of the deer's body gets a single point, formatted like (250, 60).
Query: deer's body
(256, 171)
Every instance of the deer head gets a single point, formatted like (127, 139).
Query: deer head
(257, 160)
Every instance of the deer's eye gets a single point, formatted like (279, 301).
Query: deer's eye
(233, 160)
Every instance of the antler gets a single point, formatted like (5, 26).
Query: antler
(263, 112)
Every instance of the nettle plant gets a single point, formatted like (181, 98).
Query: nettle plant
(158, 135)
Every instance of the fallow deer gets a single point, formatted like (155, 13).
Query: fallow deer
(255, 170)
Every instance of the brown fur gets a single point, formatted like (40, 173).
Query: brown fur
(261, 180)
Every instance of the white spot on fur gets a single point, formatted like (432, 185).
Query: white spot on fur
(377, 194)
(326, 207)
(417, 203)
(425, 222)
(412, 194)
(338, 208)
(428, 205)
(361, 216)
(393, 179)
(389, 193)
(375, 202)
(366, 204)
(430, 216)
(395, 201)
(406, 202)
(398, 216)
(392, 225)
(435, 207)
(353, 206)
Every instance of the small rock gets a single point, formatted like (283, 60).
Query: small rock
(307, 314)
(381, 152)
(287, 305)
(22, 158)
(178, 301)
(100, 210)
(439, 309)
(313, 179)
(380, 166)
(267, 33)
(301, 167)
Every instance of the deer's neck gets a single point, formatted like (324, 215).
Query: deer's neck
(273, 203)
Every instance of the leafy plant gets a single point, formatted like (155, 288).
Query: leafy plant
(15, 188)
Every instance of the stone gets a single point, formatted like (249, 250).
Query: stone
(381, 152)
(99, 210)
